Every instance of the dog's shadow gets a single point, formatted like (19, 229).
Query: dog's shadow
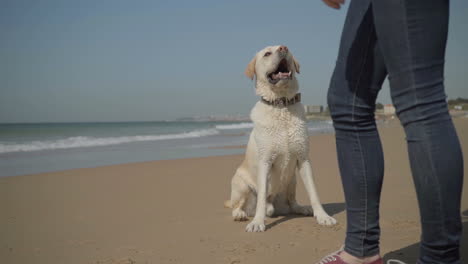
(331, 209)
(334, 208)
(410, 253)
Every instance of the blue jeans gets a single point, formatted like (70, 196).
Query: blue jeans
(404, 40)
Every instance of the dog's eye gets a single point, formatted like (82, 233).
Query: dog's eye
(267, 54)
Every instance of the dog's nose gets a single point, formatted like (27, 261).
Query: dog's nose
(283, 48)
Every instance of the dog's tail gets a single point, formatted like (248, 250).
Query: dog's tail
(227, 204)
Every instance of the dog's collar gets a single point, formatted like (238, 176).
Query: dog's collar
(283, 101)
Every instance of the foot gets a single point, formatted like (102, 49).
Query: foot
(324, 219)
(239, 215)
(348, 258)
(342, 257)
(256, 226)
(270, 210)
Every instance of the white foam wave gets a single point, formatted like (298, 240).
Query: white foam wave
(321, 129)
(78, 142)
(235, 126)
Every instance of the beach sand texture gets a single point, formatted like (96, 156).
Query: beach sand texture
(172, 212)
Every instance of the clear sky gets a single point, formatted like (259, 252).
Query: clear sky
(121, 60)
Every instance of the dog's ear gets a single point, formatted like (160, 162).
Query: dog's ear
(296, 65)
(250, 70)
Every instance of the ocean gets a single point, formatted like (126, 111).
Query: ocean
(37, 148)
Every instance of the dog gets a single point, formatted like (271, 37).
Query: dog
(278, 147)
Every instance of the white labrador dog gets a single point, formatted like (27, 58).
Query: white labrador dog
(278, 148)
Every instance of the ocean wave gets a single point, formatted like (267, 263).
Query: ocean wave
(78, 142)
(321, 129)
(319, 126)
(235, 126)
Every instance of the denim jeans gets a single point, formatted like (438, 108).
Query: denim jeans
(404, 40)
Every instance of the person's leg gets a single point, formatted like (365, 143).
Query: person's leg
(412, 37)
(356, 81)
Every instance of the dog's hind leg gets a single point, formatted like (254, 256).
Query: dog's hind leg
(240, 193)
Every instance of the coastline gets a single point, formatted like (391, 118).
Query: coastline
(171, 211)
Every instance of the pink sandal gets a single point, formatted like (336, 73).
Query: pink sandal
(334, 258)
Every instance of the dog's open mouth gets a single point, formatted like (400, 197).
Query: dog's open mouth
(281, 73)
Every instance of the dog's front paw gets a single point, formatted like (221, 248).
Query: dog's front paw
(324, 219)
(255, 226)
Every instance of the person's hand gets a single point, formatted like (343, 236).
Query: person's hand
(334, 3)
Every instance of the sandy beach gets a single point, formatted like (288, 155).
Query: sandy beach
(172, 212)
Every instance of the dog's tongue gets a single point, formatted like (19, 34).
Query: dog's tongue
(281, 75)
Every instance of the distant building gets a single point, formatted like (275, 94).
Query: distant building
(313, 109)
(389, 109)
(458, 107)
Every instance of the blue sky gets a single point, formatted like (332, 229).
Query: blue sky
(120, 60)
